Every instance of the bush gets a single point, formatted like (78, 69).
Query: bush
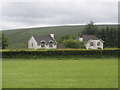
(73, 44)
(66, 37)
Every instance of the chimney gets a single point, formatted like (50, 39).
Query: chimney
(81, 37)
(52, 35)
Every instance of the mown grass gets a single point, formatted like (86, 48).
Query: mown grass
(64, 73)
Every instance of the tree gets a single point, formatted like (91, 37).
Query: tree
(113, 37)
(110, 36)
(73, 44)
(107, 37)
(90, 29)
(66, 37)
(4, 41)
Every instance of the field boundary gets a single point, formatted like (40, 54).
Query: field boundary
(58, 53)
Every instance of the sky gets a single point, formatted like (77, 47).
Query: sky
(26, 14)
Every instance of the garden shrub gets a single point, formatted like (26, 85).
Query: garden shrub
(73, 44)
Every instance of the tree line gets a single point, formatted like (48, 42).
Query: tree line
(108, 34)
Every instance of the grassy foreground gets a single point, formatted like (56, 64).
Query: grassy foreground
(47, 73)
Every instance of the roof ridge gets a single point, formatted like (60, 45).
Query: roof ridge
(39, 35)
(38, 38)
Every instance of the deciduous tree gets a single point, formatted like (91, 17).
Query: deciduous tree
(4, 41)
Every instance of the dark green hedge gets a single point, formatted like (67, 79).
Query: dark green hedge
(53, 53)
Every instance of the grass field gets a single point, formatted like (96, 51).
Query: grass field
(47, 73)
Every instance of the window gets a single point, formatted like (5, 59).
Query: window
(99, 48)
(32, 44)
(38, 44)
(91, 43)
(98, 44)
(43, 44)
(50, 43)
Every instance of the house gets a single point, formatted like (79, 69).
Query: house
(42, 42)
(91, 42)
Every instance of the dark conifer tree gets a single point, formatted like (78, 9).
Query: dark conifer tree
(4, 41)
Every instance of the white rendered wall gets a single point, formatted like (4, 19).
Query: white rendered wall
(32, 40)
(94, 44)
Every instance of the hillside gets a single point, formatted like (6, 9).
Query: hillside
(18, 38)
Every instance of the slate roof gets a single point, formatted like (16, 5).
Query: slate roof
(46, 38)
(88, 37)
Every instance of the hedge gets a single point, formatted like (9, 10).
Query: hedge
(53, 53)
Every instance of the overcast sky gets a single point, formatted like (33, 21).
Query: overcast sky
(50, 13)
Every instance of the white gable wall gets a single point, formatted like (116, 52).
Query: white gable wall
(32, 44)
(95, 46)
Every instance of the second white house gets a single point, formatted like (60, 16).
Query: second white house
(91, 41)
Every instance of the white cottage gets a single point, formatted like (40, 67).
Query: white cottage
(91, 42)
(42, 42)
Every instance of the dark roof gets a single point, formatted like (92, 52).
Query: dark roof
(88, 37)
(46, 38)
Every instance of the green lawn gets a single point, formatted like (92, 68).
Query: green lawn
(47, 73)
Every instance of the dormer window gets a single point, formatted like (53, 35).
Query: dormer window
(42, 43)
(51, 43)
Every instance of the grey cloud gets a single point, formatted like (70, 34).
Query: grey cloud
(57, 13)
